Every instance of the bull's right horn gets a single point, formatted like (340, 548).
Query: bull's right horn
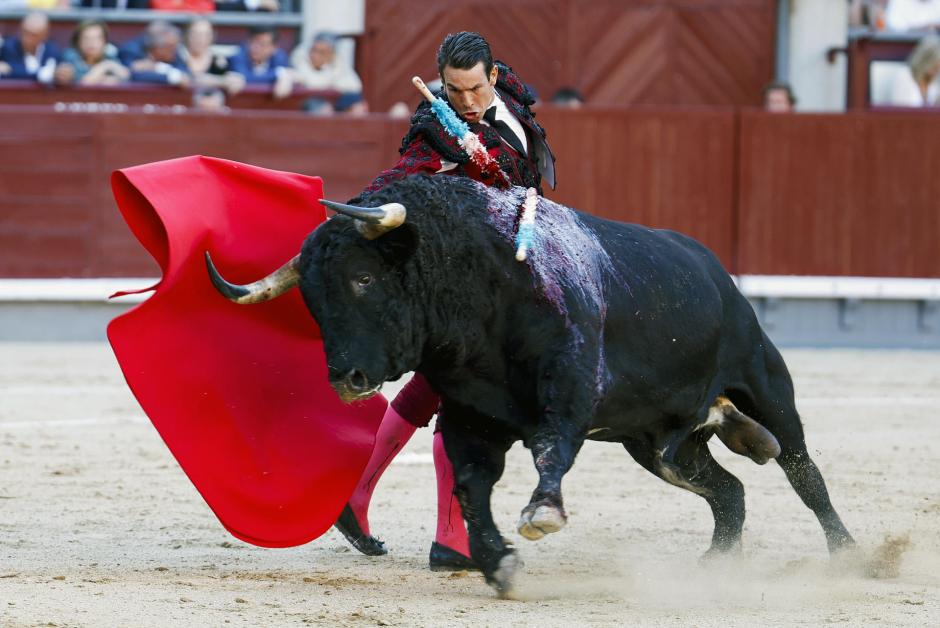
(274, 285)
(372, 222)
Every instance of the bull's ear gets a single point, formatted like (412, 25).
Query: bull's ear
(398, 245)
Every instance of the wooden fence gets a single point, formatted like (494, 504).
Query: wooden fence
(852, 194)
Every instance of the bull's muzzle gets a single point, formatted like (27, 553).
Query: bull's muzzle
(352, 385)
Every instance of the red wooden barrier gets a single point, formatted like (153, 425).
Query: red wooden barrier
(851, 194)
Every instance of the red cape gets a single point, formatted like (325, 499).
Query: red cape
(239, 393)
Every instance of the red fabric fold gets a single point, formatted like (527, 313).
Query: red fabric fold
(239, 393)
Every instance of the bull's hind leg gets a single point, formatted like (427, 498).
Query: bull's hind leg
(774, 407)
(694, 469)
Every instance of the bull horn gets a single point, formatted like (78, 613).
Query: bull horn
(274, 285)
(372, 222)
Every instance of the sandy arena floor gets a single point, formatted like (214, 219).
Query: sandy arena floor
(99, 527)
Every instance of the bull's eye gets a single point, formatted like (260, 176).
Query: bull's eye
(363, 280)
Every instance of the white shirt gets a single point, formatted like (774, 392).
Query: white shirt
(503, 114)
(906, 93)
(336, 75)
(31, 61)
(903, 15)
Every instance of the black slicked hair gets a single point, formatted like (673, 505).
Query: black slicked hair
(462, 51)
(263, 29)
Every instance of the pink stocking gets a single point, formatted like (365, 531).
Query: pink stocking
(393, 434)
(451, 530)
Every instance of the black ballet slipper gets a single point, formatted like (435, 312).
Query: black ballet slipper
(443, 558)
(365, 543)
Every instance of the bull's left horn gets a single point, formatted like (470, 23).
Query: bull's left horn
(372, 221)
(274, 285)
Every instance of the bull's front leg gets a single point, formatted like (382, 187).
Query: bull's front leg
(569, 405)
(554, 448)
(478, 464)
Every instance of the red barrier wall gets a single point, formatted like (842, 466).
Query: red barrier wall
(851, 194)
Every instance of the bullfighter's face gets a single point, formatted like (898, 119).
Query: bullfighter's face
(353, 288)
(470, 92)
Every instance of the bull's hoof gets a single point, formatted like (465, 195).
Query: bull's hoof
(443, 558)
(502, 579)
(538, 520)
(717, 553)
(365, 543)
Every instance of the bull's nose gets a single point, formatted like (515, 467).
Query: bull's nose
(353, 378)
(351, 385)
(356, 379)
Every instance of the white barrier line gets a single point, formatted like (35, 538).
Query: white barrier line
(822, 287)
(867, 401)
(71, 422)
(62, 391)
(755, 286)
(69, 290)
(414, 459)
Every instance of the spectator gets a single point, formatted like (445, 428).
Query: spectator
(41, 5)
(318, 67)
(261, 62)
(568, 97)
(906, 15)
(272, 6)
(162, 62)
(188, 6)
(918, 88)
(91, 60)
(207, 68)
(867, 14)
(114, 4)
(31, 55)
(209, 99)
(135, 49)
(779, 98)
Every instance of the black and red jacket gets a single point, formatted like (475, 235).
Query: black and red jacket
(427, 145)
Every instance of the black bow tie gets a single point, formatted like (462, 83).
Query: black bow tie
(504, 131)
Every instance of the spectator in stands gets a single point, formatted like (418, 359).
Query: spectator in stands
(271, 6)
(209, 99)
(568, 97)
(867, 14)
(261, 62)
(39, 5)
(918, 88)
(113, 4)
(207, 68)
(135, 49)
(91, 60)
(908, 15)
(31, 55)
(779, 98)
(317, 66)
(161, 62)
(186, 6)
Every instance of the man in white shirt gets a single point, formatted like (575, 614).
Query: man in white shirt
(31, 55)
(907, 15)
(318, 67)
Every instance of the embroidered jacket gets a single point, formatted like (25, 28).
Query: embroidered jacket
(427, 145)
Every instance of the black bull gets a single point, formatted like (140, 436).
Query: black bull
(608, 331)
